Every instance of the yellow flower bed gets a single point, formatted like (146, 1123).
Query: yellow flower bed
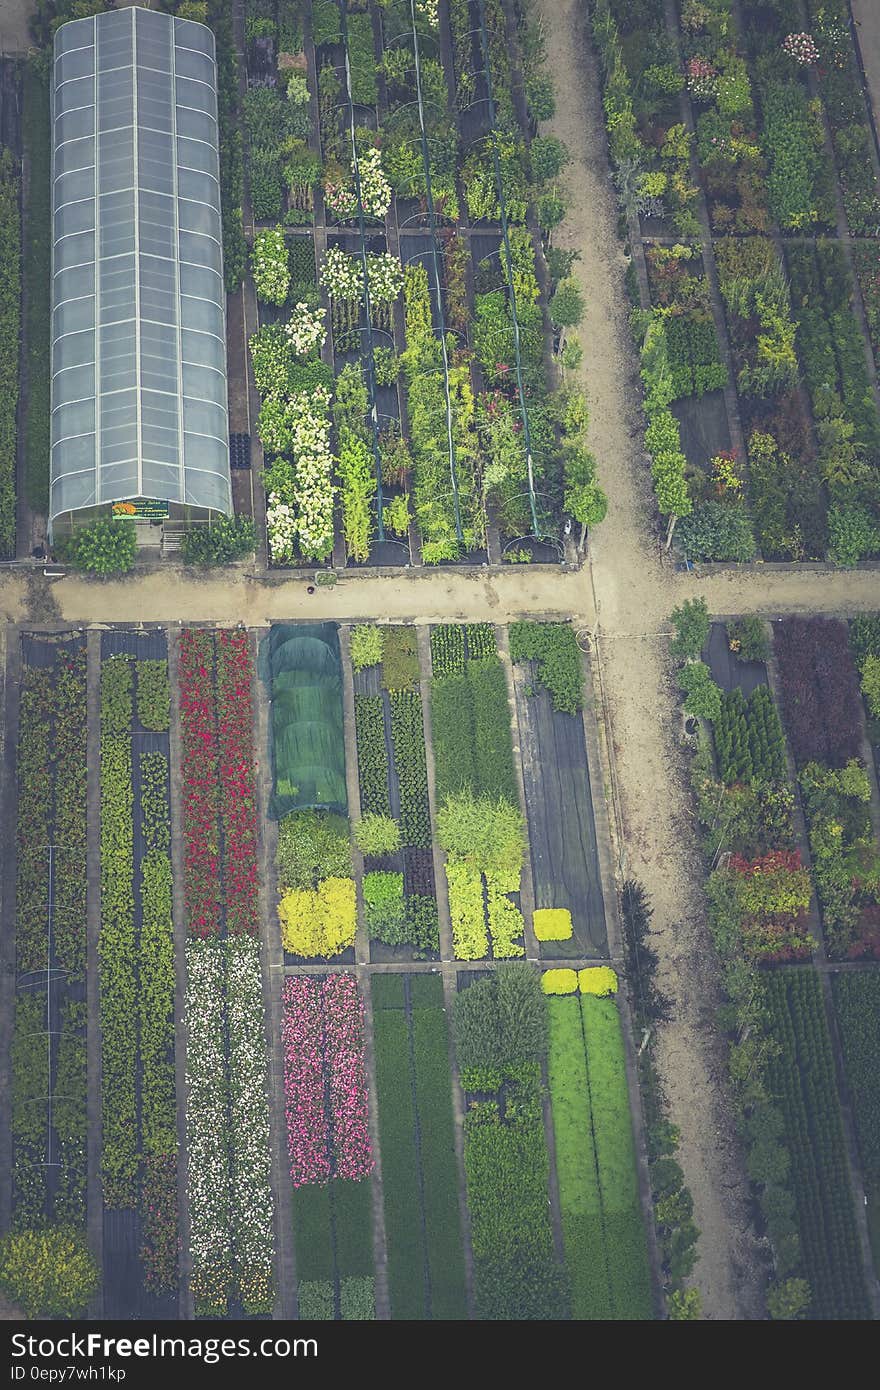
(559, 981)
(597, 979)
(319, 921)
(552, 923)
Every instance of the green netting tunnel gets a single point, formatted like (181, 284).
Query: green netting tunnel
(304, 672)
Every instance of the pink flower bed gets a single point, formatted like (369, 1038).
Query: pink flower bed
(302, 1030)
(324, 1080)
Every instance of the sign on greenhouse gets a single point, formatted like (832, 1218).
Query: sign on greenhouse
(147, 508)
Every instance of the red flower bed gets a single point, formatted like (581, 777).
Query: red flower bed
(238, 802)
(201, 786)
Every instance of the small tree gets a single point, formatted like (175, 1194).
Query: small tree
(788, 1300)
(376, 835)
(685, 1305)
(104, 547)
(567, 305)
(549, 157)
(551, 209)
(571, 355)
(691, 622)
(588, 504)
(871, 684)
(703, 695)
(48, 1272)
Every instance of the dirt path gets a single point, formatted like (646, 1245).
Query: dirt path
(866, 18)
(633, 594)
(15, 35)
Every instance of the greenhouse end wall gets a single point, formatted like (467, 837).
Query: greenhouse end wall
(139, 406)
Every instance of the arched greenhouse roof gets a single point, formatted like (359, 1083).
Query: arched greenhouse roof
(138, 307)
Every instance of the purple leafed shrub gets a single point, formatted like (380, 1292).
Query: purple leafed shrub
(820, 692)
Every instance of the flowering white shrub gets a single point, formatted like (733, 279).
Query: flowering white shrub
(385, 275)
(801, 48)
(429, 9)
(281, 528)
(306, 329)
(375, 188)
(341, 275)
(340, 199)
(271, 266)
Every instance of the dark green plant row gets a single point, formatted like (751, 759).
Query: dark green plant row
(31, 1083)
(333, 1245)
(137, 969)
(500, 1037)
(840, 85)
(408, 738)
(416, 1134)
(832, 355)
(471, 730)
(116, 943)
(219, 17)
(52, 810)
(749, 741)
(372, 755)
(51, 781)
(857, 1002)
(803, 1081)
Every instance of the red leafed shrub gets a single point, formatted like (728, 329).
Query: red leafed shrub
(820, 692)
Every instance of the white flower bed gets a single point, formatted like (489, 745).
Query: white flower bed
(208, 1179)
(231, 1206)
(251, 1183)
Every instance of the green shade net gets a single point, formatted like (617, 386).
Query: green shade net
(308, 743)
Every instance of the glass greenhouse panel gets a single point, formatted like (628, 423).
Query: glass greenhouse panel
(139, 308)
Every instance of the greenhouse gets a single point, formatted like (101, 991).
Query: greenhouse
(139, 410)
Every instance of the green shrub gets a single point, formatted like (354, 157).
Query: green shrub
(703, 696)
(377, 835)
(48, 1273)
(400, 658)
(312, 846)
(691, 623)
(384, 909)
(104, 547)
(554, 647)
(366, 646)
(153, 695)
(567, 306)
(549, 157)
(226, 539)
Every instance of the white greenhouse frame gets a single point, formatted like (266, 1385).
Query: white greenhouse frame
(139, 402)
